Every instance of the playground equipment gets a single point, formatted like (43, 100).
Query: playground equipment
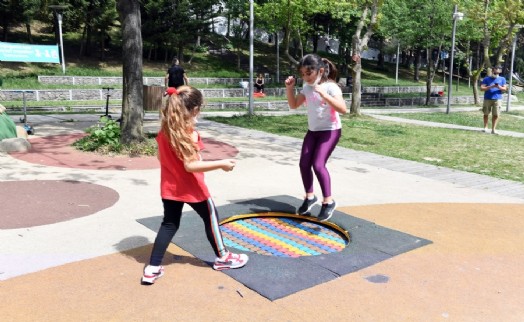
(108, 94)
(28, 128)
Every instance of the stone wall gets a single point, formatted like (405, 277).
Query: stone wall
(100, 94)
(399, 89)
(152, 81)
(371, 96)
(58, 95)
(159, 81)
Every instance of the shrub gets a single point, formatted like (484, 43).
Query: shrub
(104, 138)
(105, 135)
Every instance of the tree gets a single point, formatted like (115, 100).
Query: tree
(98, 17)
(367, 23)
(298, 19)
(497, 19)
(132, 96)
(424, 27)
(13, 12)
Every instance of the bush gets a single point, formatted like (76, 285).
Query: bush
(104, 138)
(201, 49)
(105, 135)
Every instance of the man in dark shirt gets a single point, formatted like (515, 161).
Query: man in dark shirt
(176, 75)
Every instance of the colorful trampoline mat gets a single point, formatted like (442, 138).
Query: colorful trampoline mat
(283, 235)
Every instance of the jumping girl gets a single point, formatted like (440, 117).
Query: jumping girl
(323, 99)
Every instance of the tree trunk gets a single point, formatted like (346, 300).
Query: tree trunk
(416, 76)
(28, 31)
(132, 96)
(300, 45)
(82, 42)
(486, 41)
(357, 45)
(356, 93)
(475, 81)
(287, 36)
(102, 47)
(431, 71)
(380, 58)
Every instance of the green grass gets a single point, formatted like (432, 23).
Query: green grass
(490, 155)
(506, 122)
(516, 112)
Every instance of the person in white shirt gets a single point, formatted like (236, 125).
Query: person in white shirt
(323, 99)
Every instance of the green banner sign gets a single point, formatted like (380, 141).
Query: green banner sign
(29, 53)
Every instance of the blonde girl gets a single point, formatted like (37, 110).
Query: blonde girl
(182, 181)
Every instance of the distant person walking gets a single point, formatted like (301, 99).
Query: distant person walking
(323, 99)
(493, 86)
(182, 181)
(176, 75)
(328, 46)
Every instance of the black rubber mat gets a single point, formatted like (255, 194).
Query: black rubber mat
(277, 277)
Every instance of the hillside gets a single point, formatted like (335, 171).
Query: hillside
(213, 61)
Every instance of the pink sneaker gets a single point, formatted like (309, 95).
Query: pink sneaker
(151, 274)
(230, 260)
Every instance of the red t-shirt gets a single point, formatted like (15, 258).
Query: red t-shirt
(175, 182)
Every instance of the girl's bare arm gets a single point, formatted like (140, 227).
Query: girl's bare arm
(292, 100)
(205, 166)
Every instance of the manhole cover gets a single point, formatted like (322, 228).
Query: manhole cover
(283, 235)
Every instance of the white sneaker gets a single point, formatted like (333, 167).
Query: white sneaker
(230, 260)
(486, 130)
(151, 274)
(494, 132)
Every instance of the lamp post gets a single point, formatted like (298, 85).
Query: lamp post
(278, 58)
(396, 67)
(251, 33)
(511, 66)
(58, 10)
(456, 16)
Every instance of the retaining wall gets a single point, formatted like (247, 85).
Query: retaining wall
(152, 81)
(100, 94)
(159, 81)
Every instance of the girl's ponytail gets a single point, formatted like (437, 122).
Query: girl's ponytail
(182, 106)
(330, 69)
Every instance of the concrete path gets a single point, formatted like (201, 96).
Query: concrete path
(88, 268)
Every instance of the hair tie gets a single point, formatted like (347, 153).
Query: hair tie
(170, 91)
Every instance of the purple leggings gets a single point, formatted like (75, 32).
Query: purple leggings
(316, 149)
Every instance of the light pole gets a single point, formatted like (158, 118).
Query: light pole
(396, 67)
(456, 16)
(278, 58)
(251, 33)
(511, 66)
(58, 10)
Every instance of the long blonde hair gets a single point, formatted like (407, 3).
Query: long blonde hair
(178, 120)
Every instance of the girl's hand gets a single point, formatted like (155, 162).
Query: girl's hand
(228, 164)
(320, 90)
(290, 81)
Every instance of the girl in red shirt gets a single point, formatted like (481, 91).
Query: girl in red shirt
(182, 180)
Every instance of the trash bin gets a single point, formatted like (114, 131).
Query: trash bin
(152, 98)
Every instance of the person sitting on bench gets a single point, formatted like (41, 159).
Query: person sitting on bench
(259, 84)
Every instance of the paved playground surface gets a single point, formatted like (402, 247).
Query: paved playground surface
(87, 267)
